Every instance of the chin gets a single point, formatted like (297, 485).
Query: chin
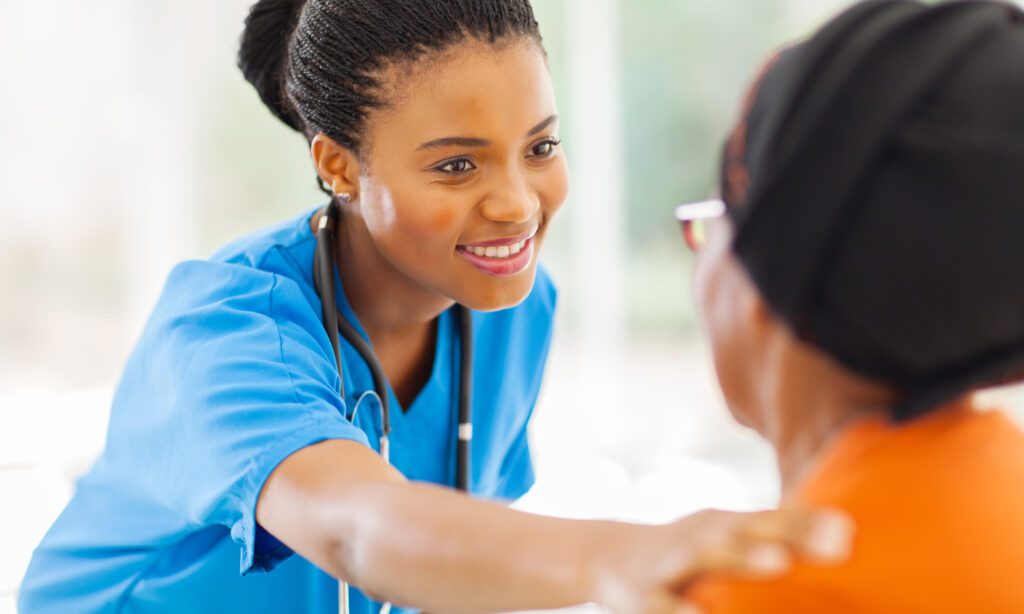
(748, 416)
(497, 293)
(741, 417)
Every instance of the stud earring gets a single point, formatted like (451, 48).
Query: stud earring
(345, 197)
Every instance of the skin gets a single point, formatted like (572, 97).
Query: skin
(415, 199)
(793, 394)
(340, 506)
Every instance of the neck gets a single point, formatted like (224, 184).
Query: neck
(799, 448)
(811, 405)
(388, 304)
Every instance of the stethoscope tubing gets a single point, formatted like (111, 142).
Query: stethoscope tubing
(465, 431)
(323, 279)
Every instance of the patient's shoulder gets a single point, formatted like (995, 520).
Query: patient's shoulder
(937, 506)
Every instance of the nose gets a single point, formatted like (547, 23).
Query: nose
(512, 200)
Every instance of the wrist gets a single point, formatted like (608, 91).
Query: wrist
(605, 549)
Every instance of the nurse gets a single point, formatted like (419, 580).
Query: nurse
(238, 478)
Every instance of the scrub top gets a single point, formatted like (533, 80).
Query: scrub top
(233, 373)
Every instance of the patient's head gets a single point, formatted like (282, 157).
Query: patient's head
(872, 253)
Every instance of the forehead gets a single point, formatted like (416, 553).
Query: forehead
(473, 89)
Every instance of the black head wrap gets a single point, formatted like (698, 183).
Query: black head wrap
(876, 184)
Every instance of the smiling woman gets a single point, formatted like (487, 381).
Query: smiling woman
(465, 159)
(236, 440)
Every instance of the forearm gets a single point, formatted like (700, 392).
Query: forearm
(341, 507)
(438, 550)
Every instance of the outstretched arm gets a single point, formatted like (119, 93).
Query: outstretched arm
(339, 505)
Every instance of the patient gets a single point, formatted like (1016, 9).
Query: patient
(865, 280)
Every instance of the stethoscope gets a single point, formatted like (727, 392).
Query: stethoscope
(323, 279)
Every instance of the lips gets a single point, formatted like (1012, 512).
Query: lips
(500, 257)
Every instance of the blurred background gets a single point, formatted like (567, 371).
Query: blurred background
(129, 141)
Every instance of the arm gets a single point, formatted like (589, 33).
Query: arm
(340, 506)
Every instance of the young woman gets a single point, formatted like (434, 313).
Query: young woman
(247, 429)
(886, 153)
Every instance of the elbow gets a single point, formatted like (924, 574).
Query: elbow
(357, 548)
(352, 560)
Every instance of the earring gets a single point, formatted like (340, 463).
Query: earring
(345, 197)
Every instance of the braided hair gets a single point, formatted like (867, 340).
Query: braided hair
(317, 64)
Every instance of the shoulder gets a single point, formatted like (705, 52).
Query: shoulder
(285, 248)
(790, 595)
(206, 288)
(267, 273)
(948, 482)
(228, 342)
(214, 312)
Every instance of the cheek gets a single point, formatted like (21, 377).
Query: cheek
(378, 209)
(441, 220)
(411, 222)
(704, 289)
(724, 327)
(554, 188)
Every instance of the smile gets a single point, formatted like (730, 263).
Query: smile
(501, 251)
(503, 257)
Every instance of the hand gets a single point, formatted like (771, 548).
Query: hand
(645, 569)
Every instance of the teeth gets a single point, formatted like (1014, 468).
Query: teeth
(505, 251)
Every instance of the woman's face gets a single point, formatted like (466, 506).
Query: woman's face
(730, 309)
(463, 171)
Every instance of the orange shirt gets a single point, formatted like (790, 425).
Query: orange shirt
(939, 508)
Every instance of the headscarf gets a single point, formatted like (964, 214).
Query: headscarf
(876, 184)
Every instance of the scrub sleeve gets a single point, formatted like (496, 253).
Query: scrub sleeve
(252, 386)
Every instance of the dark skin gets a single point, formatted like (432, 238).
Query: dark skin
(465, 154)
(407, 356)
(408, 363)
(433, 177)
(789, 391)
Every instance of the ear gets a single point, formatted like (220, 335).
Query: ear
(337, 166)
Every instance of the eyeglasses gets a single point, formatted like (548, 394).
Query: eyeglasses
(694, 217)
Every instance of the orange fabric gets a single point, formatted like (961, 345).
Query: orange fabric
(939, 507)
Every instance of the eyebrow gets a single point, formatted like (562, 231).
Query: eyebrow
(462, 141)
(542, 126)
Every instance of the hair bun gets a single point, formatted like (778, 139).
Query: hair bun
(263, 53)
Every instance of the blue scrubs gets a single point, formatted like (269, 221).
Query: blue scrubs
(234, 373)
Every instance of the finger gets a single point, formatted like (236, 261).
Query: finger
(758, 561)
(824, 535)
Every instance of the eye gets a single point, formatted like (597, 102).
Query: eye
(545, 149)
(458, 166)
